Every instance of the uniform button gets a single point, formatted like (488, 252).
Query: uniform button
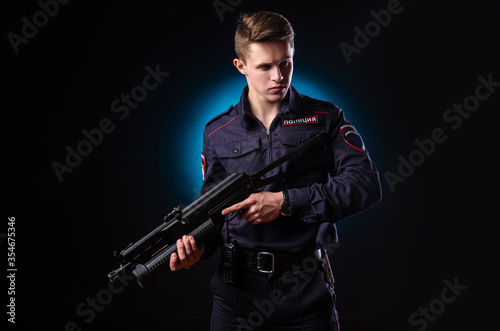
(236, 150)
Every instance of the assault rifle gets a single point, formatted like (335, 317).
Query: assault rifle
(150, 255)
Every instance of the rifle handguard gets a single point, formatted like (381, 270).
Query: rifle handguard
(147, 272)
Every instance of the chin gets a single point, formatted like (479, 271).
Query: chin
(276, 97)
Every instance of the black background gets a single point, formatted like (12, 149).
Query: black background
(393, 259)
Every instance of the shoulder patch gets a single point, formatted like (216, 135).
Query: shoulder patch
(203, 165)
(352, 137)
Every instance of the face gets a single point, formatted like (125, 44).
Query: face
(268, 69)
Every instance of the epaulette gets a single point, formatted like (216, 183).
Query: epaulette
(219, 116)
(327, 104)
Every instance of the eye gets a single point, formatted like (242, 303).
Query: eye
(284, 63)
(265, 67)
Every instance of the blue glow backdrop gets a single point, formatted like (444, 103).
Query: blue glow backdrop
(393, 258)
(211, 100)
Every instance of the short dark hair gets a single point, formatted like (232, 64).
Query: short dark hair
(260, 27)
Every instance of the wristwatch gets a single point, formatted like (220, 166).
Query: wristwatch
(285, 205)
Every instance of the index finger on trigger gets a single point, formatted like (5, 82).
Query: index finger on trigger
(237, 206)
(231, 209)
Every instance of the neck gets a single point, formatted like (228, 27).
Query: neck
(264, 110)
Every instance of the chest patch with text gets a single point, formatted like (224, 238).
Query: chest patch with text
(301, 120)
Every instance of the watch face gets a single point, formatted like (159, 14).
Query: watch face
(285, 208)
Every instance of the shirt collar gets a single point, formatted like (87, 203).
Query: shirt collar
(289, 109)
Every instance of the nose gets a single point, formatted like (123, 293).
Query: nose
(277, 76)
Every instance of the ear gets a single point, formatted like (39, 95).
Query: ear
(240, 66)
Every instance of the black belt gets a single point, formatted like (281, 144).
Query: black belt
(268, 262)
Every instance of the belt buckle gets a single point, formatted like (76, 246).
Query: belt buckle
(259, 258)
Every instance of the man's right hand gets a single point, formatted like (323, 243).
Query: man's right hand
(188, 253)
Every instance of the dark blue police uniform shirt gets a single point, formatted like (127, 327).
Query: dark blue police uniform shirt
(236, 141)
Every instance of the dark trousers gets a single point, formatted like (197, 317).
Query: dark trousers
(295, 299)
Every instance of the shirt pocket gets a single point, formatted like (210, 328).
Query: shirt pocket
(240, 155)
(291, 139)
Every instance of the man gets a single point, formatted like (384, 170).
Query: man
(279, 229)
